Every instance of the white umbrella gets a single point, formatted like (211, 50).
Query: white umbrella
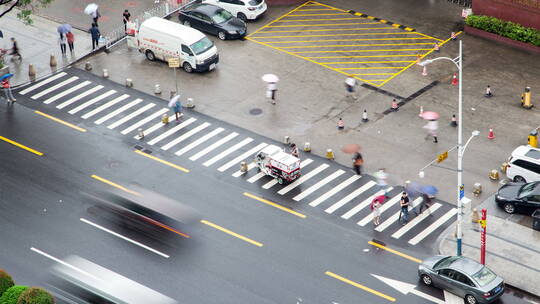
(173, 100)
(270, 78)
(91, 9)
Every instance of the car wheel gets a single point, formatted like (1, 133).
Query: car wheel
(519, 179)
(470, 299)
(427, 280)
(242, 17)
(280, 181)
(186, 23)
(150, 55)
(187, 67)
(222, 35)
(509, 208)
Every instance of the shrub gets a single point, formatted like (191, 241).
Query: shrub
(35, 295)
(6, 281)
(11, 295)
(505, 28)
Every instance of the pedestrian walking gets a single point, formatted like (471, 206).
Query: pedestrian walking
(94, 31)
(62, 41)
(358, 161)
(431, 128)
(177, 109)
(70, 40)
(404, 203)
(375, 205)
(125, 17)
(15, 49)
(381, 177)
(95, 16)
(425, 204)
(294, 150)
(350, 87)
(271, 91)
(7, 91)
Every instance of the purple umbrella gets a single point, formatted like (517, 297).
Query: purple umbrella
(64, 28)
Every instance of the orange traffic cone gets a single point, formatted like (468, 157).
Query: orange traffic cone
(424, 71)
(454, 80)
(491, 134)
(418, 58)
(395, 106)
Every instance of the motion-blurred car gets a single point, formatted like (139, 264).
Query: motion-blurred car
(214, 20)
(463, 277)
(519, 197)
(243, 9)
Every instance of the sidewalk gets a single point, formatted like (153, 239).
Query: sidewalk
(37, 42)
(513, 248)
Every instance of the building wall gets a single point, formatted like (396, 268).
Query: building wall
(524, 12)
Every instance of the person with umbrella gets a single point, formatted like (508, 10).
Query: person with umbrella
(428, 193)
(65, 32)
(350, 86)
(62, 41)
(15, 49)
(294, 151)
(271, 88)
(7, 88)
(92, 10)
(357, 159)
(432, 124)
(377, 202)
(381, 177)
(176, 105)
(70, 40)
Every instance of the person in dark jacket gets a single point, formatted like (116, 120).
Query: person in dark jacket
(94, 31)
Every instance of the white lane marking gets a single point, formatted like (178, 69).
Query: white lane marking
(392, 219)
(104, 106)
(318, 185)
(155, 127)
(169, 132)
(441, 220)
(406, 288)
(271, 183)
(130, 116)
(91, 102)
(57, 260)
(256, 177)
(117, 111)
(55, 87)
(387, 204)
(43, 82)
(450, 298)
(230, 150)
(415, 221)
(334, 190)
(78, 97)
(199, 141)
(124, 238)
(213, 146)
(363, 204)
(186, 135)
(242, 157)
(66, 92)
(239, 173)
(143, 121)
(350, 197)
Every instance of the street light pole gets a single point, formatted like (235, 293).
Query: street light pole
(459, 232)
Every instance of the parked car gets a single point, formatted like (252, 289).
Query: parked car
(524, 165)
(463, 277)
(519, 197)
(243, 9)
(214, 20)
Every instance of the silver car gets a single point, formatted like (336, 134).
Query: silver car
(463, 277)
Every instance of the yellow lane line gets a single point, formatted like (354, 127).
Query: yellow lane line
(383, 61)
(377, 80)
(276, 20)
(60, 121)
(21, 146)
(403, 255)
(371, 68)
(366, 56)
(304, 15)
(333, 30)
(334, 40)
(229, 232)
(324, 24)
(357, 285)
(360, 51)
(108, 182)
(162, 161)
(333, 35)
(375, 74)
(349, 45)
(316, 9)
(427, 36)
(326, 19)
(262, 200)
(321, 4)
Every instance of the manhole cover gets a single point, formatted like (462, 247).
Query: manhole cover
(255, 111)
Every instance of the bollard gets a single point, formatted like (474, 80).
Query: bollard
(105, 73)
(52, 61)
(243, 167)
(475, 219)
(165, 119)
(286, 140)
(533, 139)
(190, 103)
(88, 66)
(504, 166)
(157, 89)
(494, 175)
(307, 147)
(31, 71)
(330, 154)
(526, 98)
(477, 189)
(140, 133)
(129, 82)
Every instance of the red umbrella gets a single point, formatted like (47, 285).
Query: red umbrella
(430, 115)
(350, 148)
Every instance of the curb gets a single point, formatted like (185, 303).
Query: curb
(400, 26)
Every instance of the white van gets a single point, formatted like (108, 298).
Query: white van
(162, 39)
(524, 165)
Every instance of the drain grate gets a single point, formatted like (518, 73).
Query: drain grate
(255, 111)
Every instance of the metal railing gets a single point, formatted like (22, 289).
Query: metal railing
(163, 9)
(464, 3)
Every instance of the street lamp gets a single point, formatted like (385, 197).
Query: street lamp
(458, 62)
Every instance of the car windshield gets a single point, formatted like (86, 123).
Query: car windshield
(484, 276)
(202, 45)
(255, 2)
(221, 16)
(527, 190)
(445, 262)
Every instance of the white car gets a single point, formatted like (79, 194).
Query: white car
(524, 165)
(243, 9)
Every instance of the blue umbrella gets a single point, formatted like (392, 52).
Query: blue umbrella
(64, 28)
(8, 75)
(430, 190)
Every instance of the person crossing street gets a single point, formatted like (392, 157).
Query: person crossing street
(294, 151)
(404, 203)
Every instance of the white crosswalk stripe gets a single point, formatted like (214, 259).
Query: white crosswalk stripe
(167, 133)
(155, 127)
(230, 150)
(395, 217)
(415, 221)
(199, 141)
(118, 111)
(441, 220)
(318, 185)
(79, 97)
(303, 178)
(363, 204)
(54, 87)
(91, 102)
(273, 182)
(131, 116)
(144, 120)
(213, 146)
(66, 92)
(387, 205)
(104, 106)
(350, 196)
(242, 157)
(250, 166)
(42, 83)
(256, 177)
(185, 136)
(334, 190)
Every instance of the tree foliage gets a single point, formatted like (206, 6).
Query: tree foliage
(505, 28)
(25, 8)
(12, 294)
(35, 295)
(5, 281)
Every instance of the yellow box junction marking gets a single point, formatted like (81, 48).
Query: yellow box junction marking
(301, 33)
(262, 200)
(229, 232)
(108, 182)
(403, 255)
(162, 161)
(358, 285)
(21, 146)
(60, 121)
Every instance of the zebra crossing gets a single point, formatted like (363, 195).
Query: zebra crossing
(222, 147)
